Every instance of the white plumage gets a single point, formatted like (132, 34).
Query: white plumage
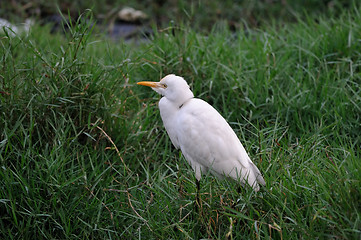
(203, 135)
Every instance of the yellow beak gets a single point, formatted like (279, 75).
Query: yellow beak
(150, 84)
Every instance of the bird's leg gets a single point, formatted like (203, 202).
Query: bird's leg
(198, 198)
(198, 188)
(239, 191)
(233, 206)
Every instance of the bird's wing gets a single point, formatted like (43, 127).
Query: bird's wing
(168, 114)
(206, 139)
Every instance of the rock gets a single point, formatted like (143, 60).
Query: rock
(131, 15)
(13, 29)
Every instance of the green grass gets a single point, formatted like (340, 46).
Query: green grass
(84, 155)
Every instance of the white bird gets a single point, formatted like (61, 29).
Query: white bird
(205, 138)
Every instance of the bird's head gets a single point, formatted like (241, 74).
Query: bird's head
(173, 87)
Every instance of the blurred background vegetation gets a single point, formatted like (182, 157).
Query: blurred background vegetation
(201, 15)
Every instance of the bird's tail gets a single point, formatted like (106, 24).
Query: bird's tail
(255, 177)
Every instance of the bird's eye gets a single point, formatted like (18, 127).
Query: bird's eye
(164, 85)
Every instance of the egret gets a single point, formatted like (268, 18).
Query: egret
(204, 137)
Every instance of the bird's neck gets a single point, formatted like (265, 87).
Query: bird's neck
(179, 100)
